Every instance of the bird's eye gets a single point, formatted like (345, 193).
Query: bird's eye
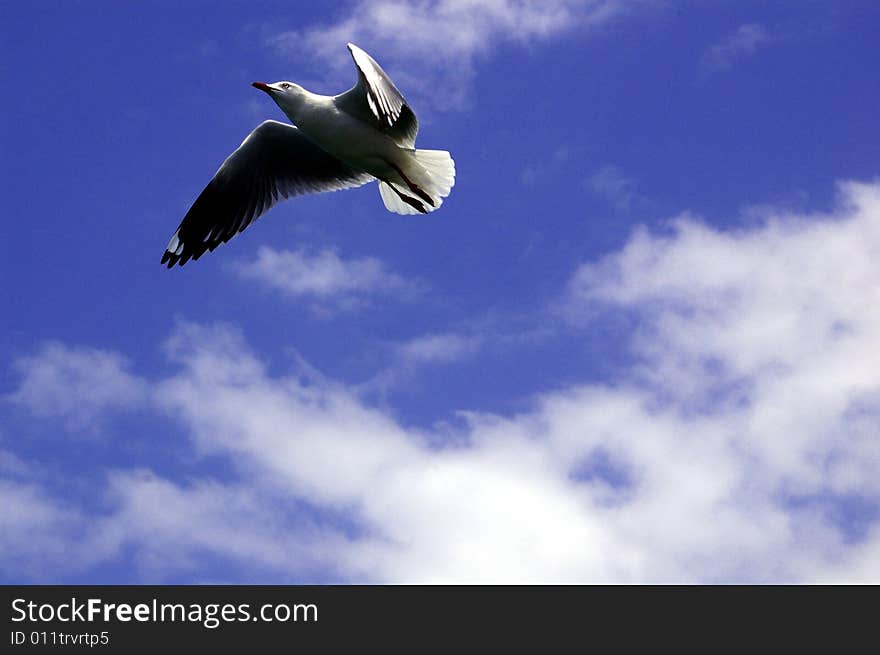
(285, 86)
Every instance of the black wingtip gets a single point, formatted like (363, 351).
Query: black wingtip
(169, 260)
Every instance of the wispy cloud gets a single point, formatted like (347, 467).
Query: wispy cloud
(42, 536)
(172, 527)
(433, 44)
(79, 385)
(325, 279)
(407, 358)
(434, 348)
(611, 184)
(743, 42)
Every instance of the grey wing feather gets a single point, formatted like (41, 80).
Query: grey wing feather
(375, 100)
(276, 161)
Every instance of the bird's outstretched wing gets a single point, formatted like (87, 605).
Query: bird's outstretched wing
(375, 100)
(274, 162)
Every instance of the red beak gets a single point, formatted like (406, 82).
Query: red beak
(262, 86)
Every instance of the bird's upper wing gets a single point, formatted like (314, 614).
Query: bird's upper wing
(274, 162)
(375, 100)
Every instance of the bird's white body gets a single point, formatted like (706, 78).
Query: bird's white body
(353, 141)
(336, 142)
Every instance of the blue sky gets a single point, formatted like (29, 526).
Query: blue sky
(637, 343)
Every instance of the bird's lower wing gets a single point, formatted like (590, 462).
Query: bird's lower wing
(276, 161)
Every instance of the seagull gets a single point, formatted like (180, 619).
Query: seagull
(337, 142)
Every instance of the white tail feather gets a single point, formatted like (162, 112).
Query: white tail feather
(433, 171)
(441, 169)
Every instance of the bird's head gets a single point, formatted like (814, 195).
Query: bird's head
(287, 95)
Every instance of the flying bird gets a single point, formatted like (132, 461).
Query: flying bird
(337, 142)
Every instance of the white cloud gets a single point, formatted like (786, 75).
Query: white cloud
(43, 537)
(76, 384)
(172, 528)
(725, 454)
(778, 322)
(434, 43)
(698, 502)
(743, 42)
(325, 278)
